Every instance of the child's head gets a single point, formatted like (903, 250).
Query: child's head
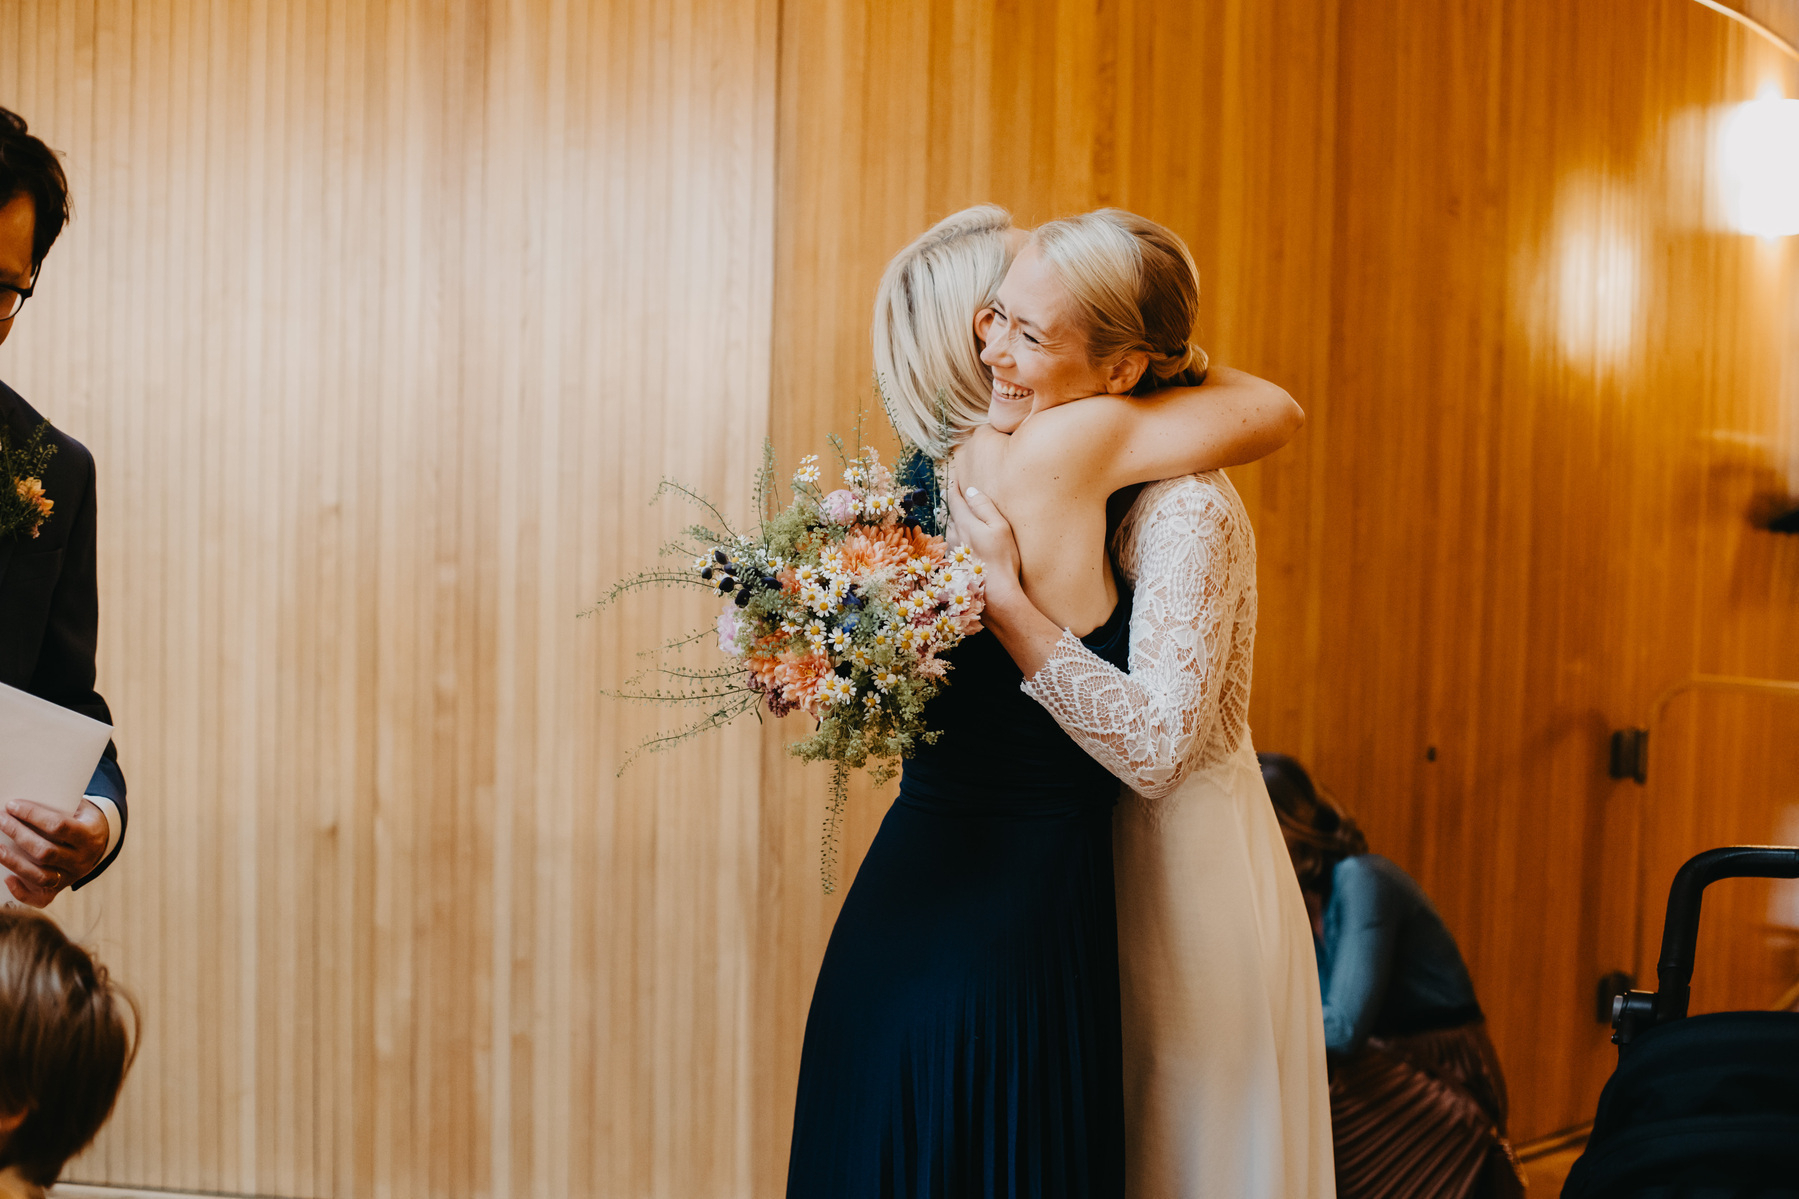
(67, 1036)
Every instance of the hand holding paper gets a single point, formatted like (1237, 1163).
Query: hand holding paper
(47, 756)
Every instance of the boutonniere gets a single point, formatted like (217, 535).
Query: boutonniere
(23, 505)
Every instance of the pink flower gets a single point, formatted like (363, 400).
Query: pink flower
(728, 624)
(839, 506)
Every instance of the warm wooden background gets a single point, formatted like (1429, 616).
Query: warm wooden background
(383, 319)
(1544, 401)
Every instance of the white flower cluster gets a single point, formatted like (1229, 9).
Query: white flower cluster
(867, 494)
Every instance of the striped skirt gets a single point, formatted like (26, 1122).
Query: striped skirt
(1423, 1117)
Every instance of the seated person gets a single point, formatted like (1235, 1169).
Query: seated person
(1418, 1102)
(67, 1036)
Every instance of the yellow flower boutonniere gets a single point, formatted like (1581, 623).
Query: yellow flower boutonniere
(31, 493)
(23, 506)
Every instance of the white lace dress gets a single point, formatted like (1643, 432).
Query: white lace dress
(1225, 1089)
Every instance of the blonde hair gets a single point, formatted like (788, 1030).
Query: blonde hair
(1137, 289)
(927, 360)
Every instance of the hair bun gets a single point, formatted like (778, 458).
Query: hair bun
(1189, 363)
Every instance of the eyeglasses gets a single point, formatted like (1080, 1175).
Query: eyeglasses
(13, 298)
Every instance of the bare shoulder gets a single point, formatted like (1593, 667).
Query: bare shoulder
(1080, 419)
(1072, 435)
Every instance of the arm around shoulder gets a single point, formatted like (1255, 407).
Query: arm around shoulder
(1232, 419)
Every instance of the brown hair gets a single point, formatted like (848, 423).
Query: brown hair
(65, 1043)
(1137, 288)
(1319, 832)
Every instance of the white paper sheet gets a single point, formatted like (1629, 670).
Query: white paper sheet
(47, 754)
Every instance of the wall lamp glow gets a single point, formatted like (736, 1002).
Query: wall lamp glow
(1759, 159)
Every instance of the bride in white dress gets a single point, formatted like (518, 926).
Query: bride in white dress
(1225, 1086)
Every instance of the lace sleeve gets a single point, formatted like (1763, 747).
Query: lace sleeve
(1149, 726)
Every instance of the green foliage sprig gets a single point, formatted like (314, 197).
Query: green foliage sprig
(839, 604)
(23, 505)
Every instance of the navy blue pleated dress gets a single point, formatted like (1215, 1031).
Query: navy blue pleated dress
(964, 1035)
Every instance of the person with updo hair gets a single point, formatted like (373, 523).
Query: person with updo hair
(937, 294)
(68, 1034)
(1418, 1103)
(965, 1037)
(1150, 310)
(1225, 1078)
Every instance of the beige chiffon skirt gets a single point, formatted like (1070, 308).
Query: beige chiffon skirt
(1226, 1091)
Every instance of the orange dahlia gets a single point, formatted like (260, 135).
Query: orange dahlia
(868, 552)
(794, 680)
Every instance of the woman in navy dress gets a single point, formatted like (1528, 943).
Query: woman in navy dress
(964, 1033)
(964, 1036)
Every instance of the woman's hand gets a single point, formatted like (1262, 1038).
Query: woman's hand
(976, 521)
(1028, 635)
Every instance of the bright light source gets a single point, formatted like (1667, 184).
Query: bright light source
(1598, 294)
(1758, 150)
(1596, 285)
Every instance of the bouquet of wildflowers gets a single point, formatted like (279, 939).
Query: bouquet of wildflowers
(841, 605)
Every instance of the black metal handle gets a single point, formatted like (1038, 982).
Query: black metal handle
(1680, 935)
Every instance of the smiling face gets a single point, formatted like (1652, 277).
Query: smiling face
(1034, 344)
(18, 221)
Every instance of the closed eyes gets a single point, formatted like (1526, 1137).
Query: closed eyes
(1000, 313)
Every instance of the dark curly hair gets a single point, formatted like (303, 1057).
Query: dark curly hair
(67, 1037)
(1319, 832)
(30, 168)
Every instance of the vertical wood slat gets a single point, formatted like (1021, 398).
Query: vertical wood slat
(448, 287)
(1486, 544)
(383, 322)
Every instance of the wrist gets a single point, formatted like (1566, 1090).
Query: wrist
(1005, 599)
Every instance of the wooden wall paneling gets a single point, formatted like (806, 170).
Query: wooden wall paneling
(1547, 554)
(1267, 279)
(434, 285)
(893, 118)
(1419, 225)
(383, 322)
(819, 382)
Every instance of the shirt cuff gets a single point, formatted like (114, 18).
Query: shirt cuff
(110, 810)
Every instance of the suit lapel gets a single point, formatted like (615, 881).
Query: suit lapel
(9, 412)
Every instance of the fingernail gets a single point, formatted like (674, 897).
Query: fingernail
(973, 491)
(13, 806)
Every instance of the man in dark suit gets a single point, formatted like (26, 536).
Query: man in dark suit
(49, 607)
